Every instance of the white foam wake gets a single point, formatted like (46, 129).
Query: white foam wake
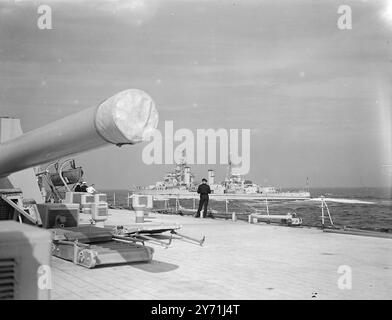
(353, 201)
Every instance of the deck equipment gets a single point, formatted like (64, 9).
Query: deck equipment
(153, 233)
(91, 246)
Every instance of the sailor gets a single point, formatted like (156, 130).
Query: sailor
(204, 190)
(83, 188)
(91, 189)
(78, 188)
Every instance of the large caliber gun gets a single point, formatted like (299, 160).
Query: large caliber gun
(125, 118)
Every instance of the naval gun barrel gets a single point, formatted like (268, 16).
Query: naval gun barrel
(125, 118)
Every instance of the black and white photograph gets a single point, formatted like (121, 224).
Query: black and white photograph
(195, 150)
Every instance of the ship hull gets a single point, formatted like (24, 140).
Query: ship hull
(185, 194)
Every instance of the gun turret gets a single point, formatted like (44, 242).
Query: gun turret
(126, 118)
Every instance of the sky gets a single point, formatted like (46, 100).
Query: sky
(317, 99)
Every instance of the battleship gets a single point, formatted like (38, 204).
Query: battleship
(181, 183)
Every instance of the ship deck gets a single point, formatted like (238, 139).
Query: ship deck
(237, 261)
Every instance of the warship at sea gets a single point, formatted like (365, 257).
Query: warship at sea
(181, 182)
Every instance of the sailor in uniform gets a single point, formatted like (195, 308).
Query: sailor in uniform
(204, 190)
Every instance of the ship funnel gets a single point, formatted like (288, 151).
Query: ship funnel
(211, 177)
(187, 176)
(125, 118)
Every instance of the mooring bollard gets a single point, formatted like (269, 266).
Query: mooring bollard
(150, 202)
(139, 214)
(252, 219)
(139, 209)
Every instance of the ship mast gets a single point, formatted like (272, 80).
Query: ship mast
(229, 168)
(182, 166)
